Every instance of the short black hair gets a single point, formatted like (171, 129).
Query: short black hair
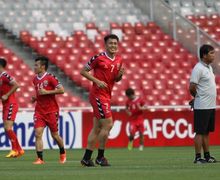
(110, 36)
(129, 92)
(3, 62)
(205, 49)
(43, 61)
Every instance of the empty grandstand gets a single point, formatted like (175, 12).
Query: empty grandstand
(70, 33)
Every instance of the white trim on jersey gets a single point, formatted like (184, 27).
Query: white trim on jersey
(135, 99)
(39, 78)
(109, 57)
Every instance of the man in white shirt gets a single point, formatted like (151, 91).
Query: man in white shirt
(203, 89)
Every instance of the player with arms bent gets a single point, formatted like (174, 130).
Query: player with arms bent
(8, 86)
(46, 109)
(108, 69)
(134, 108)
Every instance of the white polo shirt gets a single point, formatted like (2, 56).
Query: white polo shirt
(203, 76)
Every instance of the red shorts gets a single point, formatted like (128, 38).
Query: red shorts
(136, 126)
(43, 120)
(9, 112)
(101, 107)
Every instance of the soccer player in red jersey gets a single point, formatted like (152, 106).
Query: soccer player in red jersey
(134, 108)
(46, 109)
(107, 67)
(8, 86)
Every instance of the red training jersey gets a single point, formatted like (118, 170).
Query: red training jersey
(105, 69)
(46, 103)
(5, 86)
(133, 107)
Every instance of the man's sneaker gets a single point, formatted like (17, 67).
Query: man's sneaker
(102, 162)
(12, 154)
(211, 160)
(199, 161)
(63, 158)
(130, 145)
(141, 148)
(38, 161)
(87, 163)
(20, 153)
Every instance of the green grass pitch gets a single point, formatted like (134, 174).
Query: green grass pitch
(154, 163)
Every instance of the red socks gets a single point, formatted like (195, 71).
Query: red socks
(14, 141)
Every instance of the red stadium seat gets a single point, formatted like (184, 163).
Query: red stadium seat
(114, 25)
(51, 54)
(25, 36)
(42, 48)
(91, 25)
(139, 27)
(63, 51)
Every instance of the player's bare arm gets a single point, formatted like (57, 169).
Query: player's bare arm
(120, 74)
(85, 72)
(14, 87)
(58, 90)
(192, 89)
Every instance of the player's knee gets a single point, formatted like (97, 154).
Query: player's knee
(106, 129)
(7, 127)
(55, 135)
(106, 124)
(96, 130)
(109, 126)
(90, 142)
(38, 135)
(104, 134)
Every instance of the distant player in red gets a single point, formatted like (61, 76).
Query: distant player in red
(46, 109)
(8, 86)
(107, 67)
(134, 108)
